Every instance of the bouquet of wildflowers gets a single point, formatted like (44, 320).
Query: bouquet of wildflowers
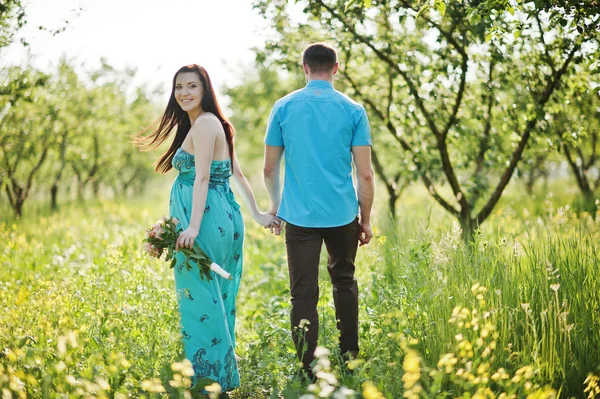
(162, 236)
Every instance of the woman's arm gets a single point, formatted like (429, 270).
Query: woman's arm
(204, 135)
(243, 187)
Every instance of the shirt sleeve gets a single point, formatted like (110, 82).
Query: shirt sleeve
(362, 132)
(274, 136)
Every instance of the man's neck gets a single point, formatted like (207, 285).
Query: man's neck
(326, 78)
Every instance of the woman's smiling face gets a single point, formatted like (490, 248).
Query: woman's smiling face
(188, 91)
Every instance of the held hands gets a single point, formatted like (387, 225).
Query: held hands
(275, 227)
(365, 233)
(268, 220)
(186, 238)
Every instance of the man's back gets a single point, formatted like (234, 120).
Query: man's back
(318, 126)
(321, 133)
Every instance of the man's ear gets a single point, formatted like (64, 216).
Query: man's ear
(305, 66)
(336, 67)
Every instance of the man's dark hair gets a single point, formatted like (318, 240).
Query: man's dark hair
(319, 57)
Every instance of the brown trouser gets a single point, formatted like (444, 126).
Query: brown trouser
(303, 251)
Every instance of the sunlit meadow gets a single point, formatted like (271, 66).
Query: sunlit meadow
(86, 313)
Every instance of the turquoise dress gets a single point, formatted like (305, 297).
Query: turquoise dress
(207, 308)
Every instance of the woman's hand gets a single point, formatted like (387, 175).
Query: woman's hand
(267, 220)
(186, 238)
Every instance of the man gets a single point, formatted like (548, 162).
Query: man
(321, 131)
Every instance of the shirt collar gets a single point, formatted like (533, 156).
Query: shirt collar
(320, 84)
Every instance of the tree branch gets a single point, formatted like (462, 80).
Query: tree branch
(35, 169)
(381, 173)
(464, 65)
(390, 92)
(392, 130)
(549, 58)
(441, 137)
(379, 170)
(447, 34)
(484, 143)
(442, 146)
(483, 147)
(62, 155)
(592, 159)
(18, 157)
(583, 186)
(582, 157)
(516, 156)
(5, 159)
(10, 197)
(459, 97)
(383, 57)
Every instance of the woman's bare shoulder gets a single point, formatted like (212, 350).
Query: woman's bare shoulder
(207, 124)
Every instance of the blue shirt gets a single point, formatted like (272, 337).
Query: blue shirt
(318, 126)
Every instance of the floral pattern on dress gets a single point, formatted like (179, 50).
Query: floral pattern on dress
(183, 160)
(207, 327)
(205, 369)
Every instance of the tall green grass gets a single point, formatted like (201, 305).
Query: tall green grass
(85, 313)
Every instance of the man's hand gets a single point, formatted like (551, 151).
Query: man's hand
(365, 233)
(276, 227)
(267, 219)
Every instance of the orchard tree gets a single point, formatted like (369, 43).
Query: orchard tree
(12, 18)
(579, 14)
(577, 129)
(69, 95)
(131, 169)
(460, 102)
(99, 139)
(251, 103)
(28, 127)
(58, 129)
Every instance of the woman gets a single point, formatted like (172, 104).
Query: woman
(203, 153)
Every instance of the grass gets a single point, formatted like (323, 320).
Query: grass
(87, 314)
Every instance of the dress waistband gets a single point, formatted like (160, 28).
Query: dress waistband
(188, 179)
(220, 185)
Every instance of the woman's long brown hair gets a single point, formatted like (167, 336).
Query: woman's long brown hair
(175, 116)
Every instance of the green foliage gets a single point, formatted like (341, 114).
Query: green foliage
(62, 132)
(251, 102)
(28, 123)
(88, 314)
(575, 124)
(449, 90)
(12, 18)
(577, 13)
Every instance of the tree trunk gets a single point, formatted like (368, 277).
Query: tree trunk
(15, 198)
(53, 195)
(80, 191)
(17, 193)
(530, 181)
(467, 224)
(96, 187)
(18, 208)
(588, 200)
(393, 198)
(58, 177)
